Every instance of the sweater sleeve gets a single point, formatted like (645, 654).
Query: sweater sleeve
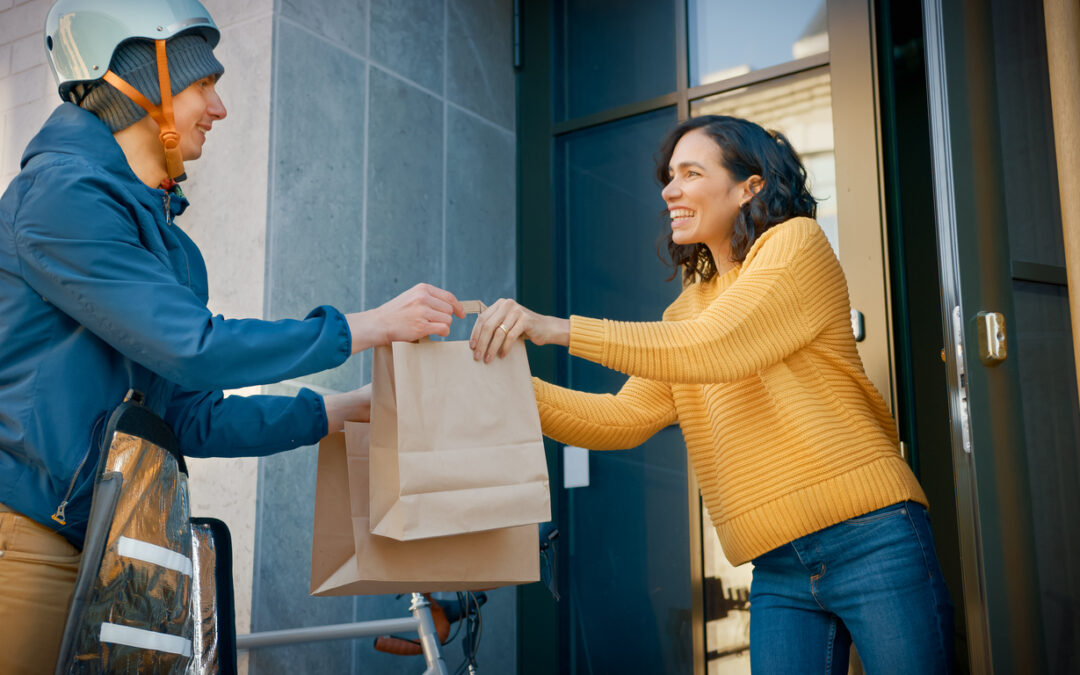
(605, 421)
(778, 305)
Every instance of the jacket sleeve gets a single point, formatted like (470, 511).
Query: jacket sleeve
(210, 424)
(80, 248)
(605, 421)
(780, 302)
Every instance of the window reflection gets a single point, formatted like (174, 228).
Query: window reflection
(730, 37)
(727, 612)
(613, 53)
(800, 107)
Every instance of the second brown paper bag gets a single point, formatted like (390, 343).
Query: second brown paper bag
(455, 443)
(346, 559)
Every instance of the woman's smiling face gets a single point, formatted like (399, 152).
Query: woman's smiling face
(703, 197)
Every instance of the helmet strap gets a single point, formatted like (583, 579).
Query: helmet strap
(163, 115)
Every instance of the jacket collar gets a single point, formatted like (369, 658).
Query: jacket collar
(70, 130)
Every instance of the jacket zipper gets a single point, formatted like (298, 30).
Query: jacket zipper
(169, 222)
(59, 515)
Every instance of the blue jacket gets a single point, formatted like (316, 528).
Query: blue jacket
(101, 292)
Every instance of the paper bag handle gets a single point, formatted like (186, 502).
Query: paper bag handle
(471, 307)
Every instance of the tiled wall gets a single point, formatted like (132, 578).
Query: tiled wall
(391, 162)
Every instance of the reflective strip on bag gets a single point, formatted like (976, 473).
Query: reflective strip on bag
(145, 639)
(154, 554)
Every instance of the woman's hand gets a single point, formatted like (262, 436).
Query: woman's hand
(421, 311)
(500, 325)
(351, 406)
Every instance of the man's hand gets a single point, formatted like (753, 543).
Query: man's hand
(421, 311)
(352, 406)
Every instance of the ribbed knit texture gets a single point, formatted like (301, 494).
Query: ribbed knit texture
(785, 432)
(190, 59)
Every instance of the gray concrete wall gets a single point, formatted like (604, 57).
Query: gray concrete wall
(391, 163)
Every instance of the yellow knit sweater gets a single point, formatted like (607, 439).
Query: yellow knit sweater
(784, 431)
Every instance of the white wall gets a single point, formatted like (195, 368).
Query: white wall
(227, 219)
(27, 88)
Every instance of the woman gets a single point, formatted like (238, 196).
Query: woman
(101, 292)
(795, 451)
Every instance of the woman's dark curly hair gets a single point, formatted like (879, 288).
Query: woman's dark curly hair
(746, 150)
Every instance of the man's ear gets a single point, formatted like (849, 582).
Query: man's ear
(751, 186)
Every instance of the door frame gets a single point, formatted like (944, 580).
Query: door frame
(993, 500)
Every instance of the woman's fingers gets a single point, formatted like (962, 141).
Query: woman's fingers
(486, 329)
(478, 326)
(516, 330)
(498, 338)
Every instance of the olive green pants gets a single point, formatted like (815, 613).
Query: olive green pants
(37, 576)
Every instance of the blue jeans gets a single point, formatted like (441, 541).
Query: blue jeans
(874, 579)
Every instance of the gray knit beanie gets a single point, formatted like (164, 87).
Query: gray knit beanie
(190, 59)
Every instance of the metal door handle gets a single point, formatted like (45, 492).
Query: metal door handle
(858, 325)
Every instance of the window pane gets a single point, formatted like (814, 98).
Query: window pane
(727, 609)
(800, 107)
(612, 54)
(628, 532)
(730, 37)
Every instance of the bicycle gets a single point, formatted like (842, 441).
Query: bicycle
(430, 621)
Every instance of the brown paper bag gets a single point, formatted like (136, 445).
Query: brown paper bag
(455, 444)
(346, 559)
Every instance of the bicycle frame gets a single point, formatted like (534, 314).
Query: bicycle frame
(421, 623)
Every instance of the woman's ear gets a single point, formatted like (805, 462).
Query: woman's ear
(751, 186)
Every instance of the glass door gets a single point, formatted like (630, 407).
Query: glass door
(647, 587)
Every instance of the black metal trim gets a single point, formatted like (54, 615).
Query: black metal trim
(517, 34)
(684, 96)
(682, 61)
(758, 76)
(1023, 270)
(615, 114)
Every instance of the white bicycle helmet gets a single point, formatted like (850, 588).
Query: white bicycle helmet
(82, 35)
